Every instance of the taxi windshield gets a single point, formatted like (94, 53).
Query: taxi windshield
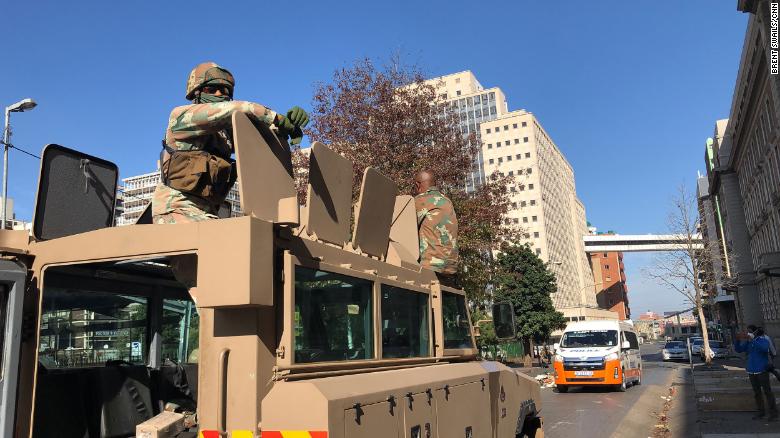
(589, 338)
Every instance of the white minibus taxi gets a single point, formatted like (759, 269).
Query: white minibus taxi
(600, 352)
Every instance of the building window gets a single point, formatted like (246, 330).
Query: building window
(525, 220)
(522, 187)
(609, 278)
(487, 131)
(533, 201)
(606, 266)
(490, 161)
(457, 93)
(525, 139)
(528, 171)
(524, 124)
(528, 155)
(515, 220)
(509, 158)
(500, 160)
(530, 186)
(536, 234)
(513, 189)
(522, 203)
(511, 172)
(538, 251)
(517, 141)
(514, 205)
(605, 254)
(506, 127)
(533, 218)
(519, 156)
(506, 143)
(514, 126)
(457, 80)
(490, 145)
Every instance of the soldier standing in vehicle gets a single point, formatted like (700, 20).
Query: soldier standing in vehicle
(196, 169)
(437, 226)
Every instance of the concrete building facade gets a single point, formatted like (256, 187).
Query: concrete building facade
(544, 201)
(716, 281)
(746, 176)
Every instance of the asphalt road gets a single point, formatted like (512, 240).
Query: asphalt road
(597, 412)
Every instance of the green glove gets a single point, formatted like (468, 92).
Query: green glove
(298, 117)
(293, 123)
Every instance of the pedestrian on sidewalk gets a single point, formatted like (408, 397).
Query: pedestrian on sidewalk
(772, 353)
(757, 347)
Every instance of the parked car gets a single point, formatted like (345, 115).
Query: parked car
(697, 345)
(719, 350)
(675, 350)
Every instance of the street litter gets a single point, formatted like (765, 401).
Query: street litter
(546, 380)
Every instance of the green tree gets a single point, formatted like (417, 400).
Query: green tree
(523, 279)
(487, 334)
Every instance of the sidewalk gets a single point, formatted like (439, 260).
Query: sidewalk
(725, 404)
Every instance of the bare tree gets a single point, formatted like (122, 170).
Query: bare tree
(685, 268)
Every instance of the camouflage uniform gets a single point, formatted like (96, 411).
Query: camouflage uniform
(438, 228)
(201, 126)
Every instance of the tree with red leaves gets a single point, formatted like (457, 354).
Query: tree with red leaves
(390, 119)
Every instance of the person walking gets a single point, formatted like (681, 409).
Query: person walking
(757, 347)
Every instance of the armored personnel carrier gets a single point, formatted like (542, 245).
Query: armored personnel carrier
(286, 322)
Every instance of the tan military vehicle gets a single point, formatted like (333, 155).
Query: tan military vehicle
(286, 322)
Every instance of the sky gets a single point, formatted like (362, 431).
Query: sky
(629, 91)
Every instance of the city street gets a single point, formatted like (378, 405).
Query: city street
(601, 412)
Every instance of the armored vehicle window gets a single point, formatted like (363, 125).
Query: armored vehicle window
(457, 330)
(333, 317)
(404, 323)
(86, 328)
(180, 331)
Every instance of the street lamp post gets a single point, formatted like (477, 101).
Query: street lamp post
(18, 107)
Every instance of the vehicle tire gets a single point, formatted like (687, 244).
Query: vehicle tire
(562, 389)
(622, 387)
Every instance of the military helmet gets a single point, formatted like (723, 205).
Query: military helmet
(208, 73)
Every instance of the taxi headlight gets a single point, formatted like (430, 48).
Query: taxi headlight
(611, 356)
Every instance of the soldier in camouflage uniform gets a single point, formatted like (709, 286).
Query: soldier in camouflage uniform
(204, 129)
(438, 228)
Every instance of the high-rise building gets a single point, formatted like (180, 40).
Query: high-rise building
(544, 201)
(474, 104)
(136, 193)
(610, 280)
